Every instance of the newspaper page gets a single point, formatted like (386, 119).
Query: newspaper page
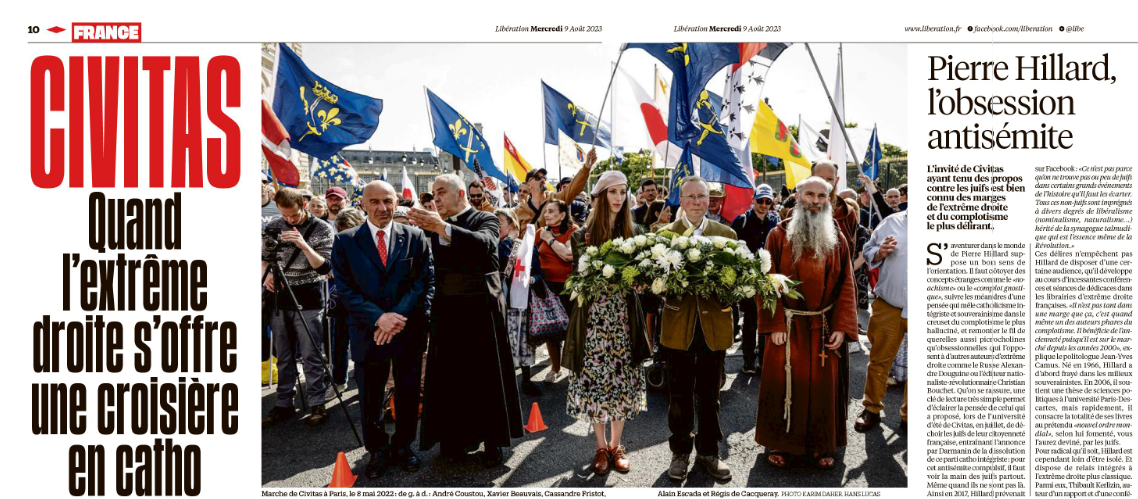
(587, 250)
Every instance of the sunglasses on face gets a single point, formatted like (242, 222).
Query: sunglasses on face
(763, 201)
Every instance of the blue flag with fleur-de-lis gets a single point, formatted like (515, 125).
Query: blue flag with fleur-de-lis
(718, 161)
(336, 169)
(692, 66)
(572, 120)
(684, 169)
(321, 118)
(457, 135)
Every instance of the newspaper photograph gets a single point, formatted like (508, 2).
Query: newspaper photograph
(600, 250)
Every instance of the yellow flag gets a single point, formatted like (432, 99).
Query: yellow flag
(515, 164)
(771, 137)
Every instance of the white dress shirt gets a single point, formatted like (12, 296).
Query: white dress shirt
(445, 241)
(386, 241)
(386, 235)
(893, 281)
(698, 230)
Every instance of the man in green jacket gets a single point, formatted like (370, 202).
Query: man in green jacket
(696, 334)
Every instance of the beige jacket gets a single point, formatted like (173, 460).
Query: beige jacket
(527, 214)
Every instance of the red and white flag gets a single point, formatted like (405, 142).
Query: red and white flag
(519, 285)
(656, 121)
(275, 146)
(408, 186)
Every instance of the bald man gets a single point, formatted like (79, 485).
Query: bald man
(846, 213)
(385, 275)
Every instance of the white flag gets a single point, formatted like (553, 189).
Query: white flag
(837, 148)
(519, 287)
(741, 94)
(808, 139)
(570, 156)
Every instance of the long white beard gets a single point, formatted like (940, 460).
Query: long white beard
(812, 230)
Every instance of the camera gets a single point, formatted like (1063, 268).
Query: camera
(274, 239)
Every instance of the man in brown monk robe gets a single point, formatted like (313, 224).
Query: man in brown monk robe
(802, 406)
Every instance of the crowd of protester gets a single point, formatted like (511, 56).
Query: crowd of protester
(422, 295)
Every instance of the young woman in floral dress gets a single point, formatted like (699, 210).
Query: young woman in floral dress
(605, 346)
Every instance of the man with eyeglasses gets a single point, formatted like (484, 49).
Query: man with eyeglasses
(477, 197)
(696, 334)
(753, 227)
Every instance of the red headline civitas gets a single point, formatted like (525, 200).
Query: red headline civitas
(90, 91)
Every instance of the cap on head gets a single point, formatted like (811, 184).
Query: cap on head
(532, 173)
(336, 191)
(764, 191)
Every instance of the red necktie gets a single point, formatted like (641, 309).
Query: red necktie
(382, 248)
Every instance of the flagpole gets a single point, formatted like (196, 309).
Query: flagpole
(833, 107)
(612, 127)
(544, 160)
(656, 98)
(762, 88)
(431, 123)
(842, 72)
(605, 101)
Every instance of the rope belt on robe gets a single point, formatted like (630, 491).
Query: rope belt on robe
(790, 313)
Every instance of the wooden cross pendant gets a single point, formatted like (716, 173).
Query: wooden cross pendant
(823, 356)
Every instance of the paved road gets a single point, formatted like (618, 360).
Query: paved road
(294, 455)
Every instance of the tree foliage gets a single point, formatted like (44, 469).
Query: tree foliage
(635, 166)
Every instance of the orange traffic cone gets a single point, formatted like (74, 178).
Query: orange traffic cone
(535, 423)
(342, 476)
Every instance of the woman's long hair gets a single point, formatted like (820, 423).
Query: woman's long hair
(597, 230)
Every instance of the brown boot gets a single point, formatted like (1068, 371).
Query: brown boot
(867, 420)
(318, 415)
(601, 461)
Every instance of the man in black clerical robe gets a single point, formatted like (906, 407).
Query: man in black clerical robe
(470, 396)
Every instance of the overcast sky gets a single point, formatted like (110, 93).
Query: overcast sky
(498, 85)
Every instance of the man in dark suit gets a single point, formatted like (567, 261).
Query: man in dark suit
(471, 396)
(385, 275)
